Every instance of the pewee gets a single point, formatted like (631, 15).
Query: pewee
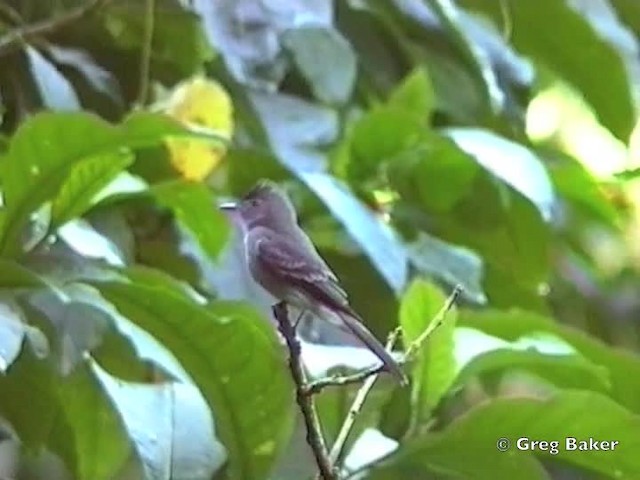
(282, 259)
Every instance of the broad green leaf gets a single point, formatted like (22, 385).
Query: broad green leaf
(30, 382)
(82, 238)
(478, 61)
(78, 325)
(378, 241)
(576, 185)
(623, 368)
(414, 94)
(195, 209)
(433, 173)
(48, 146)
(14, 275)
(170, 426)
(488, 216)
(85, 181)
(313, 48)
(88, 434)
(467, 447)
(179, 43)
(544, 30)
(547, 355)
(235, 360)
(509, 161)
(435, 366)
(448, 263)
(377, 137)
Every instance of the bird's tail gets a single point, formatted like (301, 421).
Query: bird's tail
(360, 331)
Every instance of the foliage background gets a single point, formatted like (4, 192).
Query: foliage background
(425, 144)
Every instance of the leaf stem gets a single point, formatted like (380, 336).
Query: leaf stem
(145, 58)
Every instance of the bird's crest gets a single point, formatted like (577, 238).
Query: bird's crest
(262, 187)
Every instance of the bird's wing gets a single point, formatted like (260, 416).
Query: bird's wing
(294, 263)
(297, 266)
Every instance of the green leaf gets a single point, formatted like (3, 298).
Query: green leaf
(477, 61)
(313, 48)
(543, 30)
(576, 185)
(435, 367)
(512, 162)
(14, 275)
(170, 426)
(196, 211)
(376, 239)
(544, 354)
(434, 173)
(234, 358)
(445, 192)
(85, 181)
(178, 39)
(623, 368)
(48, 146)
(88, 435)
(390, 129)
(30, 382)
(448, 263)
(378, 136)
(414, 94)
(467, 447)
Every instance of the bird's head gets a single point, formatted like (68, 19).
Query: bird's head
(265, 205)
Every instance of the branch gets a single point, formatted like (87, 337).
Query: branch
(416, 345)
(45, 27)
(371, 374)
(358, 403)
(317, 386)
(304, 400)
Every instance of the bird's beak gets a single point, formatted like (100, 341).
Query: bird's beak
(228, 206)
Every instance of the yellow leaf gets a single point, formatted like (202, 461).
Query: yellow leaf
(205, 104)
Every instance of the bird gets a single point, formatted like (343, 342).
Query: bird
(283, 260)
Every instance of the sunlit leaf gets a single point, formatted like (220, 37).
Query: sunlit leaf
(46, 148)
(467, 447)
(195, 209)
(235, 360)
(169, 425)
(435, 368)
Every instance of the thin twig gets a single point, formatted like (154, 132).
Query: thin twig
(304, 400)
(26, 33)
(356, 406)
(320, 384)
(317, 386)
(145, 59)
(363, 392)
(416, 345)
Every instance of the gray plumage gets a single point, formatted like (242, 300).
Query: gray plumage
(284, 262)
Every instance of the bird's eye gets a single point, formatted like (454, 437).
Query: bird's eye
(255, 202)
